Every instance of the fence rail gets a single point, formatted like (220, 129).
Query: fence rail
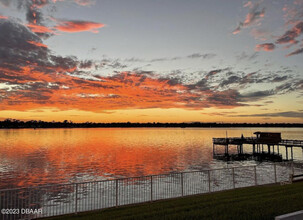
(52, 200)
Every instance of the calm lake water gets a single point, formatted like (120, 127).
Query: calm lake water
(31, 157)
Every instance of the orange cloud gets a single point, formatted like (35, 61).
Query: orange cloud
(290, 36)
(253, 16)
(39, 28)
(265, 47)
(248, 4)
(84, 2)
(3, 17)
(34, 78)
(79, 2)
(237, 30)
(122, 91)
(37, 44)
(78, 26)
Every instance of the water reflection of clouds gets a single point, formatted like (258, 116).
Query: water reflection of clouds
(44, 156)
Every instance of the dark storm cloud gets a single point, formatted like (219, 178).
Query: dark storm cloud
(32, 9)
(33, 14)
(15, 49)
(16, 36)
(18, 51)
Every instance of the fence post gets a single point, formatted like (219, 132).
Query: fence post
(29, 198)
(117, 193)
(182, 191)
(208, 180)
(275, 168)
(234, 184)
(76, 199)
(151, 188)
(255, 171)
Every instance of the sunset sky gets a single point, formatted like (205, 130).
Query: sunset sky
(151, 60)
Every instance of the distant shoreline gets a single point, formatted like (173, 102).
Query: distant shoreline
(14, 124)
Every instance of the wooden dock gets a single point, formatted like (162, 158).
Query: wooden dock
(262, 148)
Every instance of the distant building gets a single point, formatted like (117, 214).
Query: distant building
(268, 137)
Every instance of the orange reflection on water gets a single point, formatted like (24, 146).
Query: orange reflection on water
(42, 156)
(31, 157)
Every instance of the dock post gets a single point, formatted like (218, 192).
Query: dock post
(226, 150)
(292, 153)
(268, 148)
(254, 148)
(213, 149)
(262, 148)
(286, 149)
(278, 149)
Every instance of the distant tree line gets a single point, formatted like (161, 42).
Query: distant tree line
(14, 123)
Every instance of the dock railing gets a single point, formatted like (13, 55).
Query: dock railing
(53, 200)
(254, 140)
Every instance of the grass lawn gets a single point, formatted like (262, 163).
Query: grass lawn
(261, 202)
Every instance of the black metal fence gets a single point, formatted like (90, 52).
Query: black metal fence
(45, 201)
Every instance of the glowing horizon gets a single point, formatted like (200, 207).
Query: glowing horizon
(179, 62)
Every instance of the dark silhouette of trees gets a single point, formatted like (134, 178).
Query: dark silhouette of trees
(14, 123)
